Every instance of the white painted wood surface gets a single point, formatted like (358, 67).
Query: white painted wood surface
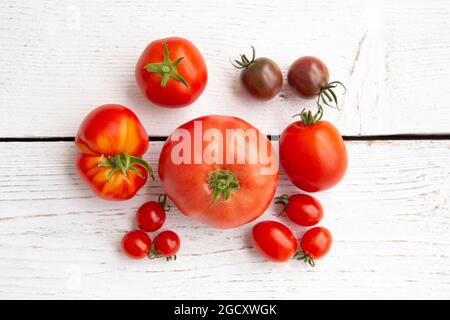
(390, 219)
(390, 216)
(60, 59)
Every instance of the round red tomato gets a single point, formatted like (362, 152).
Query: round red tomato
(220, 170)
(315, 244)
(313, 155)
(274, 241)
(302, 209)
(166, 244)
(136, 244)
(171, 72)
(110, 143)
(151, 215)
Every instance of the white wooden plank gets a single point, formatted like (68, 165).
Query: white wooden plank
(390, 220)
(62, 58)
(403, 71)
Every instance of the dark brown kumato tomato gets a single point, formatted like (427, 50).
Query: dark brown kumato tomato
(261, 77)
(309, 77)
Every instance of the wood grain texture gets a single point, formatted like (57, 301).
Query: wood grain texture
(390, 220)
(60, 59)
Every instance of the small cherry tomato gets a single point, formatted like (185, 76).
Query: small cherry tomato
(166, 244)
(310, 78)
(136, 244)
(302, 209)
(315, 244)
(274, 241)
(152, 215)
(261, 77)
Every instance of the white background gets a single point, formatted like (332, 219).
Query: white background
(390, 216)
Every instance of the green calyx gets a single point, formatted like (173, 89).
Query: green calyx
(244, 62)
(123, 163)
(284, 200)
(162, 200)
(167, 69)
(300, 255)
(308, 118)
(153, 254)
(222, 182)
(327, 95)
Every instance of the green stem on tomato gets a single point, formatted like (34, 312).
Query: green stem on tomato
(300, 255)
(308, 118)
(284, 200)
(167, 69)
(153, 254)
(327, 95)
(245, 62)
(123, 163)
(222, 182)
(162, 200)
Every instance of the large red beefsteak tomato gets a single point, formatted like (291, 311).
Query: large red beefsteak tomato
(220, 170)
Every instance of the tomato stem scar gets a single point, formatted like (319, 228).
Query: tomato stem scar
(167, 69)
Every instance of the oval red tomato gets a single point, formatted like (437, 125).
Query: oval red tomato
(315, 244)
(171, 72)
(136, 244)
(274, 241)
(302, 209)
(209, 180)
(313, 155)
(110, 143)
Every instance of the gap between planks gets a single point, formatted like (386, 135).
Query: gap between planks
(399, 137)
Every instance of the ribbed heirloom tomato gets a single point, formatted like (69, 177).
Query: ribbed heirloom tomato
(171, 72)
(110, 143)
(220, 170)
